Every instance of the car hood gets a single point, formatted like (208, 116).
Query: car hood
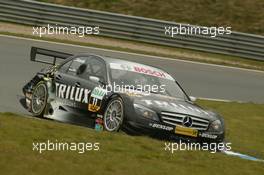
(161, 103)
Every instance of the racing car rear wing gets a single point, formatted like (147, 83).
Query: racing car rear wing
(45, 52)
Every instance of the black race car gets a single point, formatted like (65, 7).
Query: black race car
(127, 95)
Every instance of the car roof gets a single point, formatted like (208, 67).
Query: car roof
(110, 60)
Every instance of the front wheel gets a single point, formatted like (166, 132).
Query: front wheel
(39, 99)
(114, 115)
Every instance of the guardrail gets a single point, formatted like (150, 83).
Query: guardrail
(130, 27)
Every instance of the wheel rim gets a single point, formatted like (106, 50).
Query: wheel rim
(113, 115)
(39, 99)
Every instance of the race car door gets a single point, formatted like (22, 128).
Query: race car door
(78, 80)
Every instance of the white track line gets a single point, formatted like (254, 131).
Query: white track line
(135, 54)
(215, 99)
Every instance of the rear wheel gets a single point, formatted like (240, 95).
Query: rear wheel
(39, 99)
(114, 115)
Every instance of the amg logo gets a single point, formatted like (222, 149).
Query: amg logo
(72, 93)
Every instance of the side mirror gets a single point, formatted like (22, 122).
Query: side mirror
(94, 79)
(193, 99)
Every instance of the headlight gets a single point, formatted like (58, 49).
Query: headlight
(145, 112)
(215, 126)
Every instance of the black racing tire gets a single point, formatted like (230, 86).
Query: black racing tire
(114, 115)
(39, 99)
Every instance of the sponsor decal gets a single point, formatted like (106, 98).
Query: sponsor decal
(96, 99)
(80, 60)
(186, 131)
(66, 102)
(142, 69)
(99, 124)
(159, 126)
(152, 72)
(149, 72)
(94, 105)
(210, 136)
(98, 93)
(171, 104)
(131, 94)
(72, 93)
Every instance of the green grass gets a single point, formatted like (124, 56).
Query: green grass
(244, 16)
(123, 154)
(244, 125)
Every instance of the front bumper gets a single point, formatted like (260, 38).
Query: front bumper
(164, 131)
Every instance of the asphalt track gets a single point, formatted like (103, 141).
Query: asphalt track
(198, 79)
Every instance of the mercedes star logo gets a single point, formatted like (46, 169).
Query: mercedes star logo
(187, 121)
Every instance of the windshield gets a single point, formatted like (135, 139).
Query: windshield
(146, 80)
